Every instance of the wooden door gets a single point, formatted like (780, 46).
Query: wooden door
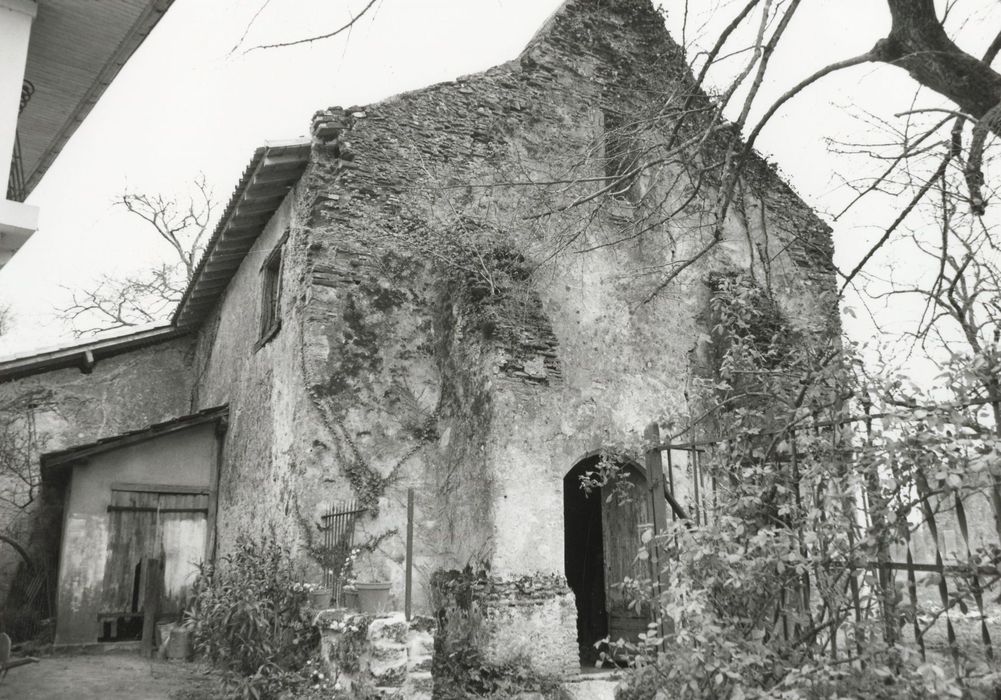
(623, 523)
(167, 526)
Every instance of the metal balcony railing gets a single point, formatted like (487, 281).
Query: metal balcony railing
(16, 190)
(15, 183)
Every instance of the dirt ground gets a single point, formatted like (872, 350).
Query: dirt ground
(107, 677)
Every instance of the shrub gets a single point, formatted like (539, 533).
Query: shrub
(249, 620)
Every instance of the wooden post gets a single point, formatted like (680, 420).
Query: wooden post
(410, 552)
(655, 475)
(153, 575)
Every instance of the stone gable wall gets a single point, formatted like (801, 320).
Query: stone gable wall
(479, 317)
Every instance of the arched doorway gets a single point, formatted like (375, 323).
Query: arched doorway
(602, 536)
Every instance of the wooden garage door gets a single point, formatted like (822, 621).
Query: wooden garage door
(168, 526)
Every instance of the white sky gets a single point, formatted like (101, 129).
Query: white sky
(187, 104)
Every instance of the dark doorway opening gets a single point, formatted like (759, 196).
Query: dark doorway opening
(585, 560)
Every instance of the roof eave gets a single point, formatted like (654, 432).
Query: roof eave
(53, 462)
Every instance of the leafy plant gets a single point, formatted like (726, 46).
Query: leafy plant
(459, 667)
(249, 620)
(352, 644)
(789, 584)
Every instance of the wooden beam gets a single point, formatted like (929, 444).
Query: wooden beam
(158, 488)
(153, 576)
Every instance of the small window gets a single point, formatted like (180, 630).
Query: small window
(271, 290)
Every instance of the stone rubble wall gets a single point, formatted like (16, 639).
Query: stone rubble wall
(528, 621)
(69, 407)
(395, 658)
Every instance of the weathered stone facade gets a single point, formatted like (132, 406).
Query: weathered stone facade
(67, 407)
(467, 313)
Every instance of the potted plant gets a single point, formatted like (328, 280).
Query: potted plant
(346, 580)
(317, 594)
(319, 597)
(373, 594)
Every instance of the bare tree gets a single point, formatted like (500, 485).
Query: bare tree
(148, 297)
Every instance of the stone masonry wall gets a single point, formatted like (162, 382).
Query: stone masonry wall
(261, 480)
(66, 407)
(480, 317)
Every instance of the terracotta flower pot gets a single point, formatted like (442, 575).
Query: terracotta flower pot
(373, 597)
(320, 599)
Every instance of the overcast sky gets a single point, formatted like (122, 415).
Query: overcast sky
(188, 103)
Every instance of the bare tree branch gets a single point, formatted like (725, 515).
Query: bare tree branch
(319, 37)
(151, 296)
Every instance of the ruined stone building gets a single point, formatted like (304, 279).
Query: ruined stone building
(456, 290)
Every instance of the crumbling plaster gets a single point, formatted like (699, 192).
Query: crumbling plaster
(122, 393)
(182, 459)
(451, 324)
(258, 378)
(593, 360)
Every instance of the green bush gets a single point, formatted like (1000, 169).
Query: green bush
(249, 620)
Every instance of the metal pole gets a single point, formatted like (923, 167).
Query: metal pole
(410, 551)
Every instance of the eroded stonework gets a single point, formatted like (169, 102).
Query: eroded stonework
(471, 305)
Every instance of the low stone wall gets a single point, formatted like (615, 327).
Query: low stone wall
(532, 617)
(383, 655)
(516, 634)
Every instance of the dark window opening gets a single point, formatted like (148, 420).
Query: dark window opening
(621, 160)
(121, 628)
(271, 287)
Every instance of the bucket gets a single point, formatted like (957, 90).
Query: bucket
(173, 641)
(373, 597)
(179, 643)
(163, 630)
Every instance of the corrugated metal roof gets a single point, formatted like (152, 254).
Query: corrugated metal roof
(60, 458)
(273, 171)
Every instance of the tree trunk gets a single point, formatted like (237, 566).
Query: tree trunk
(918, 43)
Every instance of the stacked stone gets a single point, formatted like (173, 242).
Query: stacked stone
(396, 658)
(420, 650)
(387, 640)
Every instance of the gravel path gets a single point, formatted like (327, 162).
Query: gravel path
(106, 677)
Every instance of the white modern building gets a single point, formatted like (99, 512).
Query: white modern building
(56, 59)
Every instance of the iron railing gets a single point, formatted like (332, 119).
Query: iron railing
(338, 542)
(947, 602)
(16, 186)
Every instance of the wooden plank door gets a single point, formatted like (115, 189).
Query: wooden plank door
(622, 527)
(170, 527)
(132, 536)
(181, 537)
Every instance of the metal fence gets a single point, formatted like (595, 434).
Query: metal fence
(338, 527)
(935, 586)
